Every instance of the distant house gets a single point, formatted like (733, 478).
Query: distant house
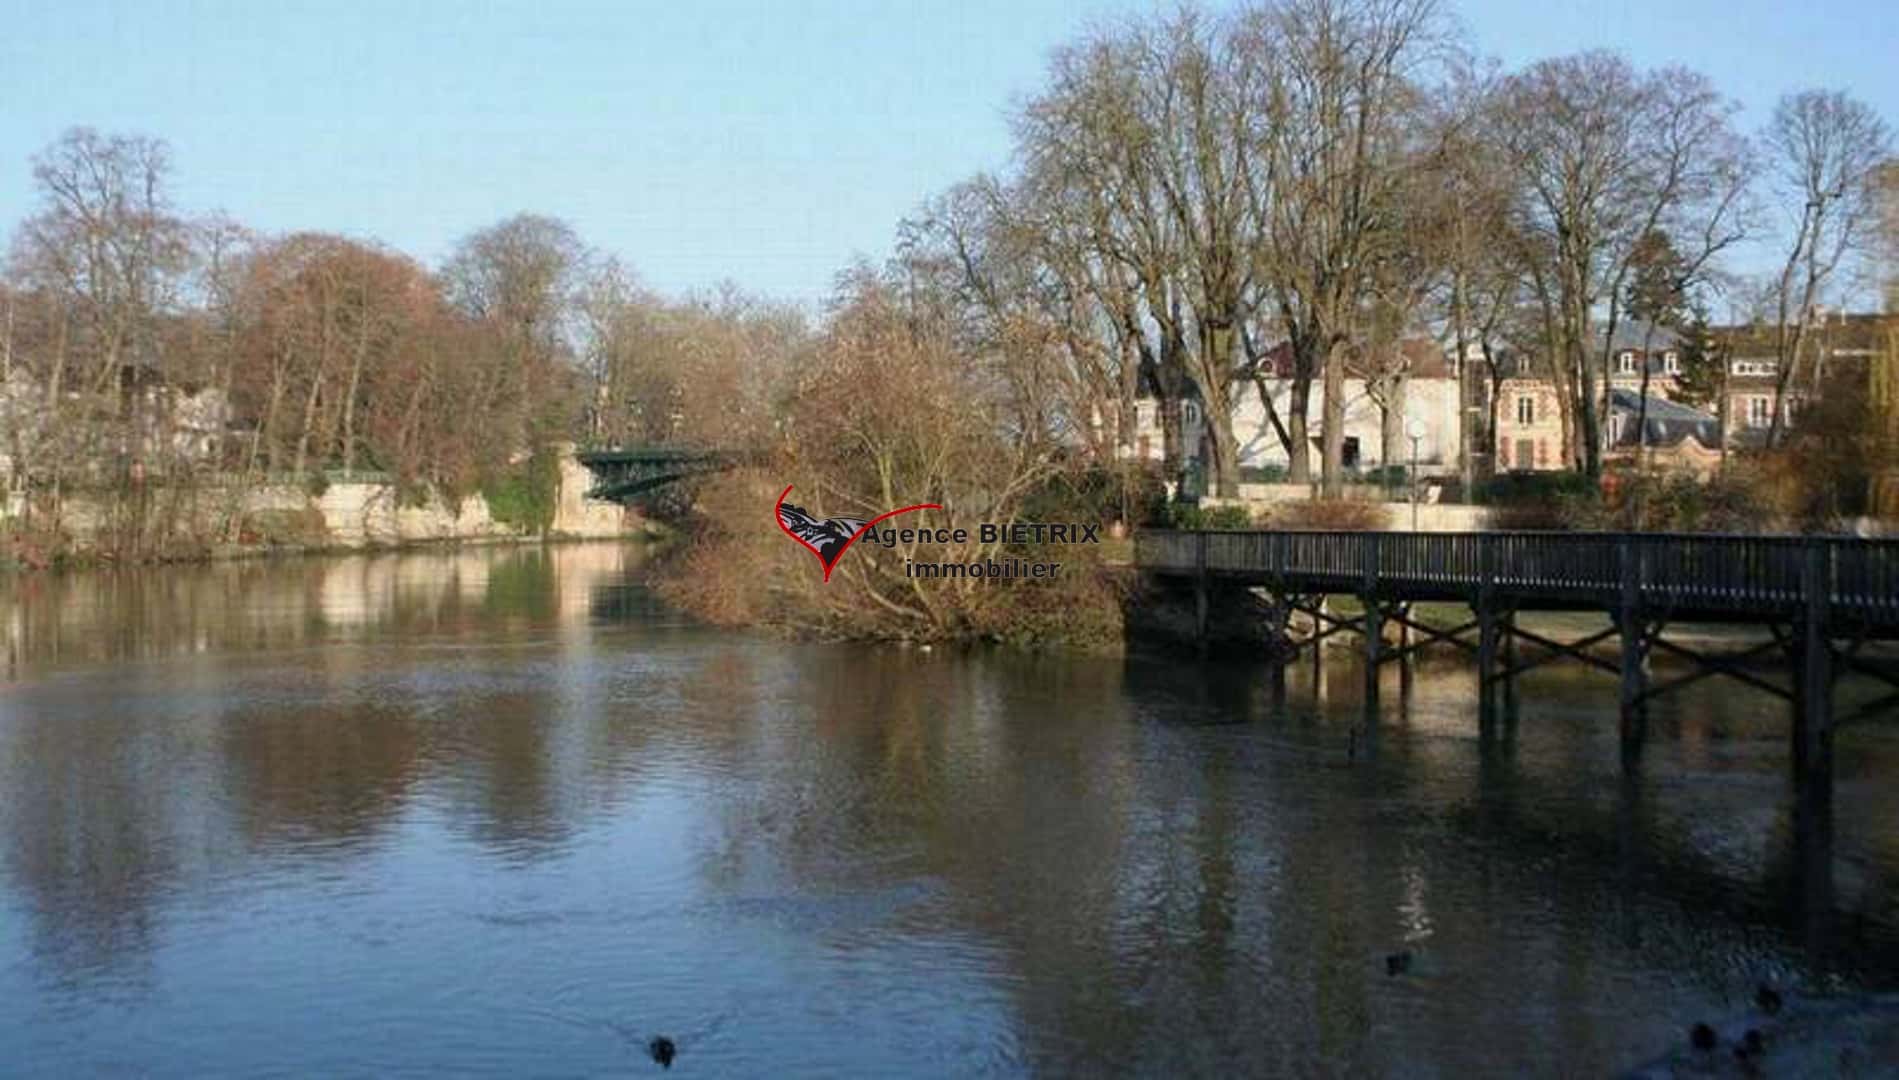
(1417, 381)
(141, 416)
(1636, 345)
(1674, 435)
(1752, 388)
(1526, 413)
(165, 419)
(1837, 351)
(1528, 420)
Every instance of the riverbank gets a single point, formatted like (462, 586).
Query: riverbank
(223, 520)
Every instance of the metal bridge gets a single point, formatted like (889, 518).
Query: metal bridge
(624, 474)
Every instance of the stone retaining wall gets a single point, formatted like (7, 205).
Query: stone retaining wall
(372, 514)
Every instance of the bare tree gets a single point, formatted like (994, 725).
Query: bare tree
(522, 276)
(1089, 151)
(1337, 82)
(1603, 155)
(1477, 279)
(106, 256)
(1825, 148)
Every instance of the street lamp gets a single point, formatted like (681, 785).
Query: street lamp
(1416, 431)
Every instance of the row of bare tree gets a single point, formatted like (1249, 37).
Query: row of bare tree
(1195, 193)
(1198, 203)
(137, 342)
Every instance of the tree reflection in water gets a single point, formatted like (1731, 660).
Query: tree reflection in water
(494, 810)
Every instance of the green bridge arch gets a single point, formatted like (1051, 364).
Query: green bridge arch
(622, 474)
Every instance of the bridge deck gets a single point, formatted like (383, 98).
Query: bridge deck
(1686, 577)
(624, 473)
(657, 453)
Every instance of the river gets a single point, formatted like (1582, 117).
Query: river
(496, 811)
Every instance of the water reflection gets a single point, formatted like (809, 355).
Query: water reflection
(493, 811)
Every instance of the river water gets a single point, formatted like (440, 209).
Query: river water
(498, 812)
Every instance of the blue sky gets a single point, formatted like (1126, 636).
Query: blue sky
(766, 143)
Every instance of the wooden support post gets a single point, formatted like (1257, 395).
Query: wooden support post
(1201, 601)
(1634, 649)
(1374, 654)
(1318, 649)
(1201, 605)
(1813, 713)
(1374, 632)
(1486, 665)
(1813, 752)
(1507, 631)
(1404, 654)
(1279, 642)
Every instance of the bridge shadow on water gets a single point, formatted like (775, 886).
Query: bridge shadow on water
(1708, 821)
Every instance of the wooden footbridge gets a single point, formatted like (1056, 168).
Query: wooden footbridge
(1822, 599)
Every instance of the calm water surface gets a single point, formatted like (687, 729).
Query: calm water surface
(497, 812)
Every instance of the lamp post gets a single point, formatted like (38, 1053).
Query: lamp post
(1416, 431)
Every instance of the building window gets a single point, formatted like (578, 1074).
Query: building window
(1616, 421)
(1625, 362)
(1760, 411)
(1753, 367)
(1671, 363)
(1526, 409)
(1349, 452)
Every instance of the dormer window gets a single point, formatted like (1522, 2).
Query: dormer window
(1625, 362)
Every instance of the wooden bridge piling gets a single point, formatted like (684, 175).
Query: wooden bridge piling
(1509, 621)
(1202, 599)
(1813, 710)
(1810, 592)
(1633, 654)
(1489, 626)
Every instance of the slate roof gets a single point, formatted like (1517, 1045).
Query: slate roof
(1668, 422)
(1633, 333)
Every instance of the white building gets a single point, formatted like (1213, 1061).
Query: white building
(1428, 402)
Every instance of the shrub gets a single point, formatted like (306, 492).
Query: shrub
(1674, 502)
(1229, 517)
(1262, 474)
(1539, 500)
(1155, 509)
(524, 496)
(1520, 488)
(1332, 515)
(1097, 493)
(1191, 516)
(413, 493)
(1531, 517)
(1387, 476)
(303, 527)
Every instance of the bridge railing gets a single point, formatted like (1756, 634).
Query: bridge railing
(1659, 570)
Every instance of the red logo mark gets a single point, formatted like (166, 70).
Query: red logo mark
(829, 538)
